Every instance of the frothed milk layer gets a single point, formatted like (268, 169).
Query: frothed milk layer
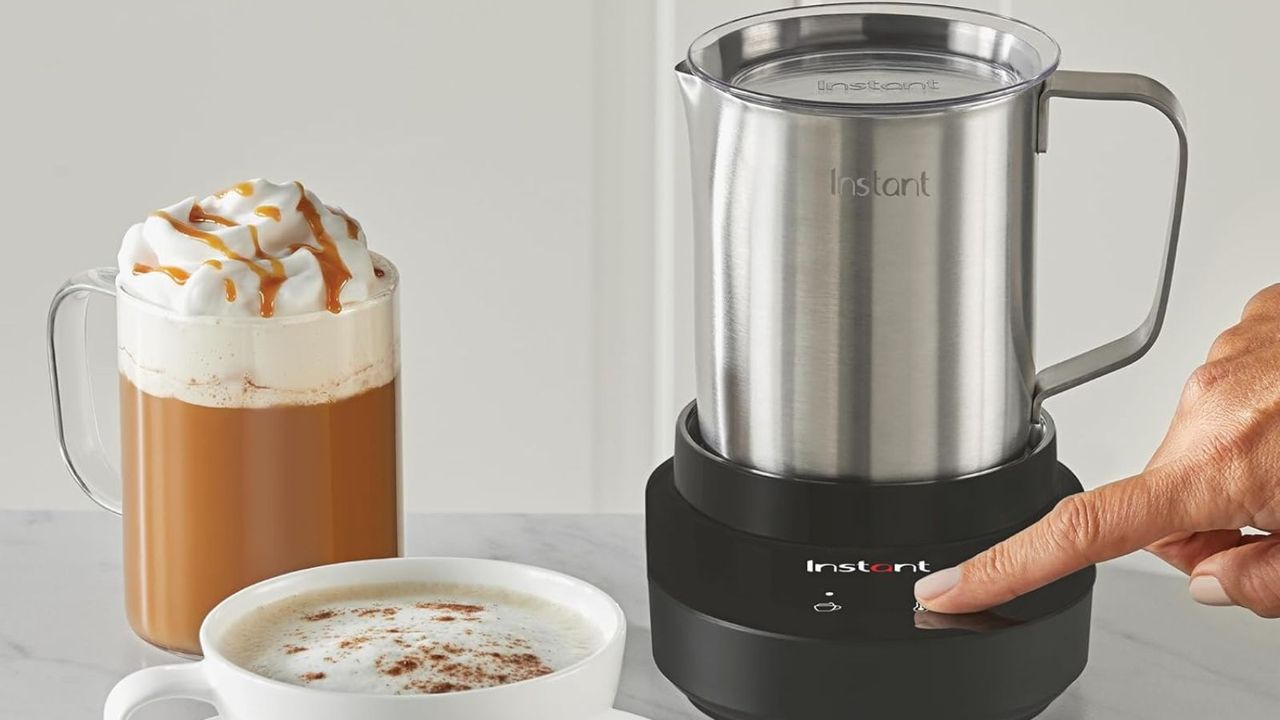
(410, 638)
(255, 362)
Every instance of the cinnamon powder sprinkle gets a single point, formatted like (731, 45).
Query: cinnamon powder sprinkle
(436, 688)
(455, 668)
(353, 642)
(312, 676)
(374, 611)
(320, 615)
(402, 666)
(461, 608)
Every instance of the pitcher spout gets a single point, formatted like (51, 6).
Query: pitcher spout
(692, 87)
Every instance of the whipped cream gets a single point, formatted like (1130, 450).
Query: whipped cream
(255, 249)
(258, 296)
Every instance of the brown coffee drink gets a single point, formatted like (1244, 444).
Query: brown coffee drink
(258, 356)
(218, 498)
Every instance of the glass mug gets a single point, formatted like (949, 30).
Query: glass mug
(250, 447)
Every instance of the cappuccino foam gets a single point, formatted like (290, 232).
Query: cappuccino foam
(410, 638)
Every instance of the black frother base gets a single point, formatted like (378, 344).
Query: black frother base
(751, 627)
(726, 714)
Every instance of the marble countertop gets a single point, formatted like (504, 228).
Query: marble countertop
(64, 640)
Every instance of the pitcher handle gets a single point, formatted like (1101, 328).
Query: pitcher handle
(1122, 351)
(79, 437)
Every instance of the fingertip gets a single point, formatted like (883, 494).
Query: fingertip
(1207, 590)
(936, 584)
(1247, 576)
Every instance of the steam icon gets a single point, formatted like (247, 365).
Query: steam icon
(827, 607)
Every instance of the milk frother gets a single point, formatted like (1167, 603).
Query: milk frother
(869, 408)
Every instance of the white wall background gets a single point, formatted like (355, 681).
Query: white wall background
(524, 164)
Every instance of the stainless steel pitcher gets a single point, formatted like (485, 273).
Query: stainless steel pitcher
(864, 181)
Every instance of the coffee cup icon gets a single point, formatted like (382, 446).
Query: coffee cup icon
(827, 607)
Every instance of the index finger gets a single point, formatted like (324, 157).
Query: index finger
(1081, 530)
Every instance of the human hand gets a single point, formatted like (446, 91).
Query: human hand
(1217, 471)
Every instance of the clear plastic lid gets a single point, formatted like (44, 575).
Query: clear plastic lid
(874, 56)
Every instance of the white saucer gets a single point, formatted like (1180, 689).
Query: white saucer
(617, 714)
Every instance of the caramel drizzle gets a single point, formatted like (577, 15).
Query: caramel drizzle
(244, 189)
(180, 276)
(198, 214)
(353, 227)
(176, 274)
(269, 280)
(332, 269)
(276, 266)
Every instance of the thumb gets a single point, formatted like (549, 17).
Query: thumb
(1082, 530)
(1248, 576)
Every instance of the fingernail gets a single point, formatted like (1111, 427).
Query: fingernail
(1206, 590)
(935, 584)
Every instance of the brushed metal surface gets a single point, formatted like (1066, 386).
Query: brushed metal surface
(864, 270)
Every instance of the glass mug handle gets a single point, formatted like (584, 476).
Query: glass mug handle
(1120, 352)
(78, 435)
